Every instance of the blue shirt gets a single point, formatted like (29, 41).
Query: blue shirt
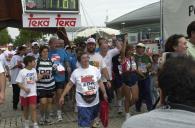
(72, 60)
(59, 57)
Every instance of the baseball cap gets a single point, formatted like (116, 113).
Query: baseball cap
(91, 40)
(141, 45)
(10, 44)
(35, 43)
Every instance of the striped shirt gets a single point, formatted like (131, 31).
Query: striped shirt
(47, 83)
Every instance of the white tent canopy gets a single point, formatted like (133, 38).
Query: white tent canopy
(93, 30)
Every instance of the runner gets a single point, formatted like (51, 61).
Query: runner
(87, 80)
(35, 50)
(46, 85)
(144, 67)
(128, 69)
(26, 80)
(60, 60)
(7, 56)
(96, 60)
(107, 57)
(16, 66)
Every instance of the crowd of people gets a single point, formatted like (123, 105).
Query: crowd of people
(98, 71)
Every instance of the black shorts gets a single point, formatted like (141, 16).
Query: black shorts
(130, 78)
(117, 82)
(45, 94)
(60, 85)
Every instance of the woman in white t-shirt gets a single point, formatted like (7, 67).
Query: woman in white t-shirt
(87, 80)
(16, 65)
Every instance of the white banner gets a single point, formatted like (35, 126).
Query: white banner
(51, 20)
(177, 15)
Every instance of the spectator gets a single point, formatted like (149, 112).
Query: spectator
(177, 85)
(191, 36)
(176, 43)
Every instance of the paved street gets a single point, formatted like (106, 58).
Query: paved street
(12, 119)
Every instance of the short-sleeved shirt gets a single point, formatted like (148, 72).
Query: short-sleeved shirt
(59, 57)
(142, 62)
(108, 60)
(97, 61)
(36, 56)
(47, 83)
(28, 79)
(14, 71)
(162, 118)
(86, 82)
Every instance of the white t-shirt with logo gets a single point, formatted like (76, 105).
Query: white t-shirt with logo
(86, 81)
(14, 71)
(28, 79)
(108, 60)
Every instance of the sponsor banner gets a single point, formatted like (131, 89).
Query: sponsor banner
(51, 20)
(177, 15)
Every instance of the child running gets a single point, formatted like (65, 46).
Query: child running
(26, 80)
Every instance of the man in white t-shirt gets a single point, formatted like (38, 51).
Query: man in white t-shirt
(87, 80)
(2, 84)
(107, 55)
(97, 60)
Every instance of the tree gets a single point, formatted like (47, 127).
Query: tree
(80, 40)
(27, 35)
(5, 38)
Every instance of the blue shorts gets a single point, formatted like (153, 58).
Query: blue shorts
(86, 115)
(60, 85)
(117, 82)
(130, 78)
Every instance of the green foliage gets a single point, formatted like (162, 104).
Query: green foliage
(5, 38)
(79, 40)
(26, 35)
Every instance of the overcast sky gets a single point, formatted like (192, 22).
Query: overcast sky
(97, 10)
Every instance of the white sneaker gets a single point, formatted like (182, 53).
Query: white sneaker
(51, 114)
(59, 115)
(26, 124)
(42, 121)
(35, 125)
(120, 110)
(128, 115)
(48, 121)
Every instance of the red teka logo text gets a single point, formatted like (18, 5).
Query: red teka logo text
(38, 22)
(65, 22)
